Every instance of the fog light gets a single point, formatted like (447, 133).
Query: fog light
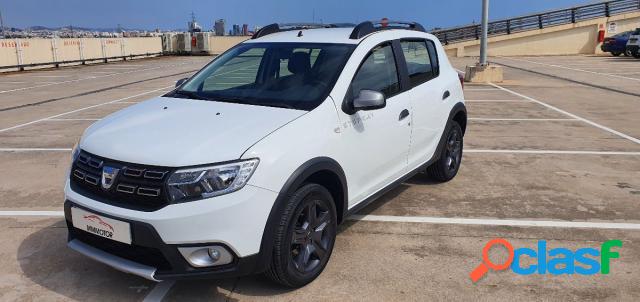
(214, 254)
(206, 256)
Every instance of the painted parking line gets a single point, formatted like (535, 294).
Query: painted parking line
(524, 119)
(572, 69)
(592, 123)
(35, 150)
(32, 213)
(558, 152)
(499, 222)
(497, 101)
(51, 76)
(84, 108)
(71, 119)
(159, 291)
(466, 151)
(480, 89)
(89, 78)
(416, 219)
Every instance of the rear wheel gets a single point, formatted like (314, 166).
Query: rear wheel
(616, 54)
(448, 164)
(636, 55)
(304, 238)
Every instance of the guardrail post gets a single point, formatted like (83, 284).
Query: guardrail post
(103, 45)
(573, 15)
(122, 52)
(540, 22)
(508, 27)
(607, 11)
(82, 50)
(19, 54)
(54, 51)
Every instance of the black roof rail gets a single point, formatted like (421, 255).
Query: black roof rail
(275, 27)
(369, 27)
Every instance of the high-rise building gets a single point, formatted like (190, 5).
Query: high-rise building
(236, 30)
(219, 27)
(245, 29)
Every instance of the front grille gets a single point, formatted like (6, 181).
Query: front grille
(140, 254)
(134, 186)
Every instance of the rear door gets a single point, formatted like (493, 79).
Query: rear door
(426, 96)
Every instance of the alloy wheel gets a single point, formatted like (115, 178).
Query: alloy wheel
(311, 237)
(454, 150)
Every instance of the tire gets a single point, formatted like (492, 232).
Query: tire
(304, 237)
(627, 53)
(616, 54)
(636, 55)
(450, 157)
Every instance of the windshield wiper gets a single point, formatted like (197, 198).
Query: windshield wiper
(190, 94)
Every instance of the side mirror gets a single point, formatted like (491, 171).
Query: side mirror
(369, 100)
(180, 82)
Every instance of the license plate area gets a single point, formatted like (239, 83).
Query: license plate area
(101, 226)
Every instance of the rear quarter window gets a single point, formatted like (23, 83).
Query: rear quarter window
(422, 61)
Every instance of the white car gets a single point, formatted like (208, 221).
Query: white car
(633, 45)
(250, 165)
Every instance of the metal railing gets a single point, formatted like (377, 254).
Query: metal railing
(538, 21)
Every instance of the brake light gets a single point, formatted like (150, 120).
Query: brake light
(461, 78)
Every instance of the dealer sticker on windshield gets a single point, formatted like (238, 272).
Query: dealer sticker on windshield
(101, 226)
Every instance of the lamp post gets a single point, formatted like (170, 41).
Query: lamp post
(482, 72)
(485, 30)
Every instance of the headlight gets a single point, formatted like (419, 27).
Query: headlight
(206, 182)
(75, 151)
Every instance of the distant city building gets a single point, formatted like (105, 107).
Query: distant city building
(219, 27)
(193, 25)
(245, 29)
(236, 30)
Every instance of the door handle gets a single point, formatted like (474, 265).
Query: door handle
(446, 95)
(403, 115)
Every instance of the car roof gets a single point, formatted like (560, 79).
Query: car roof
(315, 35)
(329, 35)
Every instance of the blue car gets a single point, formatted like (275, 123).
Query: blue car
(617, 44)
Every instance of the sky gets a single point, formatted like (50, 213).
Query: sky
(167, 15)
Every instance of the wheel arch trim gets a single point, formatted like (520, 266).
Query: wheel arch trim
(294, 181)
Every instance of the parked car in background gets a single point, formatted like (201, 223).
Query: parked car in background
(633, 45)
(617, 44)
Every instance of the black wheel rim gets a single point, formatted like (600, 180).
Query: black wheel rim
(311, 237)
(454, 151)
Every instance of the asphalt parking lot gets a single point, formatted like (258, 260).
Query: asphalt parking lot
(553, 154)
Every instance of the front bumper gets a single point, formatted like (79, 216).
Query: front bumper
(235, 221)
(148, 256)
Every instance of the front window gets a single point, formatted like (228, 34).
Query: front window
(378, 72)
(288, 75)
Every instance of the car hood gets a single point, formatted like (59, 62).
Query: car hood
(182, 132)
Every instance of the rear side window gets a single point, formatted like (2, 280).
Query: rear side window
(418, 61)
(433, 54)
(378, 72)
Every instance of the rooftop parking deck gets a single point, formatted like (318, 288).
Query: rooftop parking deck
(553, 154)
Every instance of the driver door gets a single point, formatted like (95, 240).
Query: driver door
(376, 142)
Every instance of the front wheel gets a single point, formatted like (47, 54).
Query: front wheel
(627, 53)
(450, 157)
(304, 238)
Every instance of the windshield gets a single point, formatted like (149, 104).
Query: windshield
(288, 75)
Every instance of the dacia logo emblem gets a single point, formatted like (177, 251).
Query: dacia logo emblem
(109, 175)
